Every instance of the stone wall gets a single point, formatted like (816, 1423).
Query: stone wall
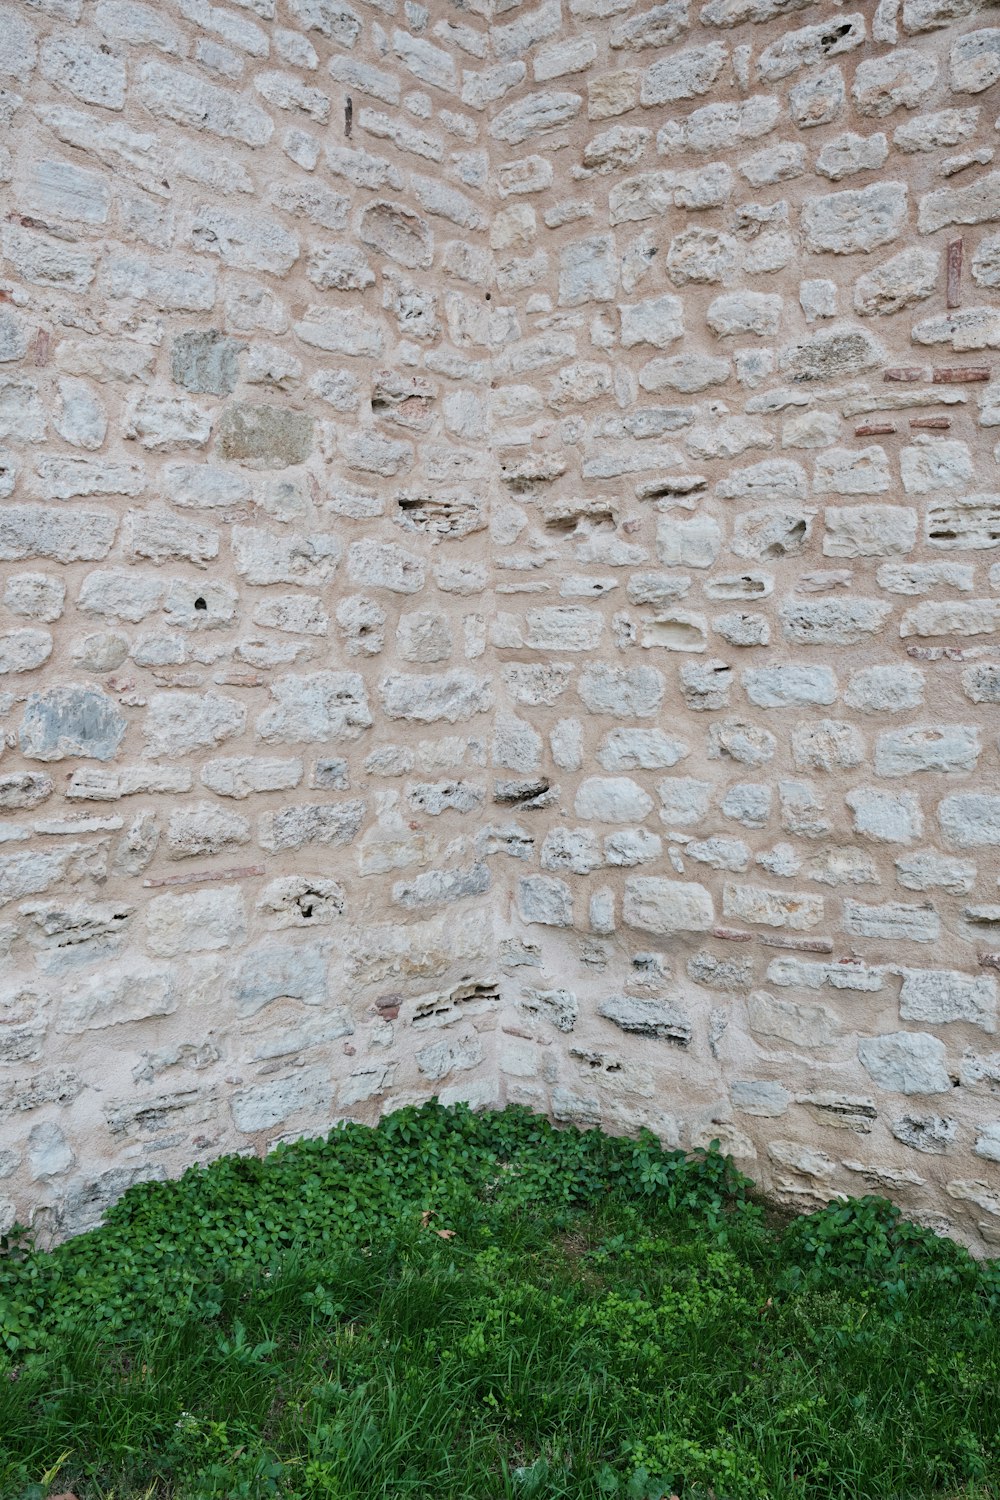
(495, 533)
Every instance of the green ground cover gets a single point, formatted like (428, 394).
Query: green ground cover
(462, 1307)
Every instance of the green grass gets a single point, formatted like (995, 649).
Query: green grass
(462, 1307)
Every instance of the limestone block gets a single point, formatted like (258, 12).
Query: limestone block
(970, 820)
(974, 61)
(818, 100)
(800, 1024)
(173, 94)
(687, 74)
(652, 904)
(885, 817)
(427, 699)
(785, 686)
(868, 530)
(933, 747)
(902, 80)
(906, 1062)
(663, 1020)
(906, 278)
(198, 922)
(544, 899)
(893, 921)
(178, 724)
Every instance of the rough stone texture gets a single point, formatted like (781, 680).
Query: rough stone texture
(539, 517)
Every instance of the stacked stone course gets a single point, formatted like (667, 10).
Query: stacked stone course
(496, 518)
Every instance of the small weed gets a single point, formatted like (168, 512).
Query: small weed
(480, 1307)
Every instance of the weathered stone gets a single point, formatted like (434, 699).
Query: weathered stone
(450, 696)
(977, 617)
(203, 829)
(535, 115)
(164, 424)
(20, 49)
(931, 747)
(859, 219)
(924, 578)
(715, 127)
(302, 901)
(705, 255)
(832, 621)
(974, 61)
(663, 1020)
(827, 745)
(205, 362)
(818, 100)
(161, 536)
(611, 95)
(25, 873)
(933, 1134)
(850, 153)
(795, 910)
(970, 820)
(655, 905)
(774, 164)
(981, 684)
(264, 437)
(24, 789)
(687, 74)
(779, 687)
(885, 817)
(834, 353)
(687, 543)
(315, 707)
(657, 321)
(75, 720)
(81, 418)
(800, 1024)
(865, 530)
(909, 277)
(938, 996)
(935, 465)
(742, 313)
(651, 28)
(652, 193)
(129, 991)
(24, 650)
(87, 72)
(173, 94)
(902, 80)
(906, 1062)
(307, 1093)
(684, 372)
(976, 203)
(200, 922)
(546, 900)
(311, 823)
(177, 724)
(894, 920)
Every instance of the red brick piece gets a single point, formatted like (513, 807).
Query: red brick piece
(797, 945)
(732, 935)
(963, 375)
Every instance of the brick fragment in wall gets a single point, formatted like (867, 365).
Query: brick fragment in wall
(507, 493)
